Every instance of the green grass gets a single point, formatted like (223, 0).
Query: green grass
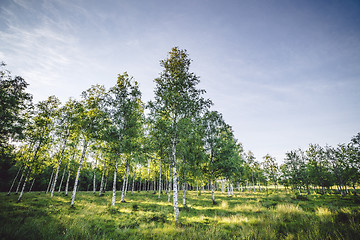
(276, 215)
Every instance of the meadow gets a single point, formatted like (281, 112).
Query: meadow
(246, 215)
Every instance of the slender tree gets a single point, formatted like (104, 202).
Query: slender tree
(176, 97)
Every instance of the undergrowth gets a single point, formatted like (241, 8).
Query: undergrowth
(247, 215)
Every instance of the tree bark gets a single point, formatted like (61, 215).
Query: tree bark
(58, 167)
(94, 180)
(24, 184)
(67, 184)
(160, 182)
(12, 185)
(176, 204)
(169, 191)
(62, 179)
(114, 185)
(127, 179)
(102, 180)
(18, 186)
(133, 183)
(32, 184)
(78, 174)
(184, 194)
(228, 187)
(213, 191)
(124, 183)
(353, 184)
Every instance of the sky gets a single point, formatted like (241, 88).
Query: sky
(283, 74)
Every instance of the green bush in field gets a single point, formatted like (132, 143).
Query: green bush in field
(143, 216)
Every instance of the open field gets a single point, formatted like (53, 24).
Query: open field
(277, 215)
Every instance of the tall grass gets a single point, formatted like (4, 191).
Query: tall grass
(247, 216)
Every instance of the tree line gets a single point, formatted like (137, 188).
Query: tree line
(105, 142)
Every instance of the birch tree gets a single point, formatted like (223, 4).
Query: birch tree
(90, 118)
(176, 97)
(125, 115)
(39, 131)
(66, 125)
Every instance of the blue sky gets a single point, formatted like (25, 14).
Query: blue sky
(284, 74)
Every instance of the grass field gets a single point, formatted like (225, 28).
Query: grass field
(276, 215)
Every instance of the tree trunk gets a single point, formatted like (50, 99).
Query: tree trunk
(213, 191)
(58, 168)
(106, 180)
(228, 187)
(32, 184)
(51, 180)
(160, 181)
(353, 184)
(133, 183)
(12, 185)
(102, 180)
(67, 184)
(78, 174)
(24, 184)
(127, 180)
(197, 189)
(114, 185)
(20, 181)
(140, 189)
(184, 194)
(154, 187)
(124, 183)
(94, 180)
(169, 191)
(62, 179)
(259, 186)
(176, 204)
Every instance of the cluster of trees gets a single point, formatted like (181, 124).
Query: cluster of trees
(105, 141)
(324, 167)
(181, 142)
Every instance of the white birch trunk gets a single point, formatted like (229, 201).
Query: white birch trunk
(12, 185)
(32, 184)
(184, 194)
(133, 183)
(213, 191)
(166, 182)
(127, 180)
(176, 204)
(51, 180)
(18, 186)
(23, 187)
(68, 178)
(259, 186)
(160, 182)
(154, 187)
(67, 184)
(61, 181)
(169, 191)
(58, 168)
(78, 174)
(114, 185)
(102, 180)
(94, 180)
(124, 184)
(197, 189)
(228, 187)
